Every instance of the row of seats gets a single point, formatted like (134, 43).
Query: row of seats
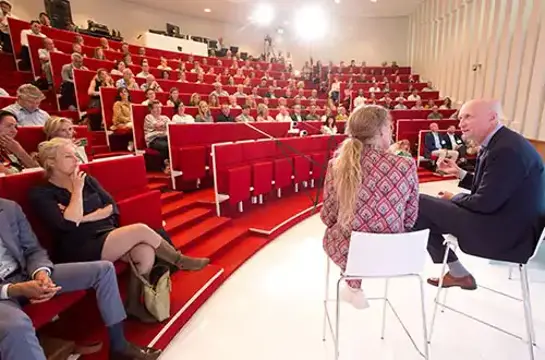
(8, 100)
(254, 168)
(409, 129)
(16, 26)
(31, 136)
(336, 70)
(404, 78)
(419, 114)
(130, 192)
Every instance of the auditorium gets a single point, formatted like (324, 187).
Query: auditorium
(271, 179)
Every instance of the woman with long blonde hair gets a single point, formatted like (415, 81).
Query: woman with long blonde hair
(367, 189)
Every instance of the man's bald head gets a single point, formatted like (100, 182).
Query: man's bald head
(478, 118)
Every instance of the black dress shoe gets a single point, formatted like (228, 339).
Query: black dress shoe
(133, 352)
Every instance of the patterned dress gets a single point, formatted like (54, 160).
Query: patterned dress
(387, 202)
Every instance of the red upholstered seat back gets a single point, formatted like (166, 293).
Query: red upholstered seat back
(82, 79)
(139, 113)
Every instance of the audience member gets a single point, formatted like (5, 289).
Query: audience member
(351, 194)
(434, 145)
(296, 115)
(312, 114)
(418, 105)
(151, 96)
(45, 59)
(155, 132)
(119, 68)
(104, 44)
(101, 79)
(98, 54)
(174, 97)
(414, 96)
(263, 113)
(218, 90)
(330, 126)
(225, 114)
(195, 99)
(180, 117)
(13, 158)
(430, 104)
(341, 114)
(233, 102)
(37, 280)
(128, 81)
(447, 104)
(401, 148)
(26, 109)
(35, 29)
(453, 141)
(213, 101)
(68, 92)
(283, 114)
(204, 114)
(122, 118)
(429, 87)
(44, 19)
(435, 114)
(502, 217)
(59, 127)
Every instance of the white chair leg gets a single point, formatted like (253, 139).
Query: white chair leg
(337, 319)
(528, 317)
(279, 193)
(510, 276)
(326, 296)
(254, 200)
(240, 207)
(437, 296)
(260, 199)
(384, 308)
(312, 183)
(424, 322)
(296, 187)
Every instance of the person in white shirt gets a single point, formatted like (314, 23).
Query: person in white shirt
(418, 105)
(240, 91)
(197, 69)
(180, 117)
(218, 90)
(164, 65)
(150, 97)
(400, 105)
(145, 71)
(414, 96)
(35, 29)
(245, 115)
(374, 89)
(283, 115)
(233, 102)
(401, 97)
(335, 91)
(360, 99)
(301, 94)
(255, 94)
(429, 87)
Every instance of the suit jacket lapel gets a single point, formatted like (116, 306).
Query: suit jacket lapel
(8, 238)
(481, 159)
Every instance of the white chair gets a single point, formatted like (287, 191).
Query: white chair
(452, 245)
(381, 256)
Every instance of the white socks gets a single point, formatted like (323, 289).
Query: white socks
(356, 297)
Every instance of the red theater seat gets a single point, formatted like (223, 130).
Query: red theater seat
(121, 187)
(232, 176)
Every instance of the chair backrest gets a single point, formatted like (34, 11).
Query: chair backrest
(385, 255)
(540, 240)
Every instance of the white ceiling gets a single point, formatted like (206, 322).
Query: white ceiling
(238, 11)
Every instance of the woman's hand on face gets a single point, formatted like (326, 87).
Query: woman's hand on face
(78, 180)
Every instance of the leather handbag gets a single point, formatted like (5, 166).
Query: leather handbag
(156, 291)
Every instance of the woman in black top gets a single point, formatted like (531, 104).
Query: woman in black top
(84, 220)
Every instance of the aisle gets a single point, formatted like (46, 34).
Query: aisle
(271, 309)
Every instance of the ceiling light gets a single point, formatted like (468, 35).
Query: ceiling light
(263, 14)
(337, 1)
(280, 31)
(311, 22)
(207, 10)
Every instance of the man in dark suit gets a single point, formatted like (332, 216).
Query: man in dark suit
(500, 218)
(225, 115)
(27, 275)
(434, 144)
(453, 141)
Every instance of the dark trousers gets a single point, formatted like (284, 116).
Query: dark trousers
(25, 65)
(17, 335)
(443, 217)
(5, 39)
(160, 144)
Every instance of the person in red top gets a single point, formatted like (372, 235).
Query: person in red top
(367, 189)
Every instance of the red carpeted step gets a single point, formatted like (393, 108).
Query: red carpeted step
(237, 255)
(183, 240)
(7, 62)
(179, 221)
(111, 154)
(170, 197)
(218, 243)
(157, 186)
(100, 149)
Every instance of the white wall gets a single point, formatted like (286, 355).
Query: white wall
(506, 36)
(372, 39)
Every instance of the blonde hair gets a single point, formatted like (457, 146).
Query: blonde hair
(362, 128)
(47, 152)
(53, 125)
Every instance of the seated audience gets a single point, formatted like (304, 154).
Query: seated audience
(195, 99)
(45, 59)
(44, 19)
(181, 77)
(104, 44)
(59, 127)
(77, 49)
(32, 278)
(180, 117)
(250, 101)
(213, 101)
(502, 216)
(127, 59)
(122, 118)
(263, 113)
(145, 72)
(127, 81)
(447, 104)
(434, 144)
(197, 69)
(360, 99)
(328, 113)
(204, 114)
(270, 94)
(351, 194)
(414, 96)
(400, 105)
(68, 92)
(429, 87)
(300, 94)
(98, 54)
(151, 83)
(218, 90)
(418, 105)
(388, 104)
(374, 89)
(165, 75)
(297, 115)
(283, 114)
(84, 220)
(233, 102)
(155, 132)
(101, 79)
(119, 68)
(312, 114)
(401, 148)
(342, 114)
(435, 114)
(13, 158)
(255, 93)
(330, 126)
(150, 97)
(164, 65)
(174, 97)
(36, 30)
(430, 104)
(225, 114)
(401, 97)
(26, 109)
(245, 115)
(453, 141)
(334, 92)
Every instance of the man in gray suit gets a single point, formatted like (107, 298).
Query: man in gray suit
(27, 275)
